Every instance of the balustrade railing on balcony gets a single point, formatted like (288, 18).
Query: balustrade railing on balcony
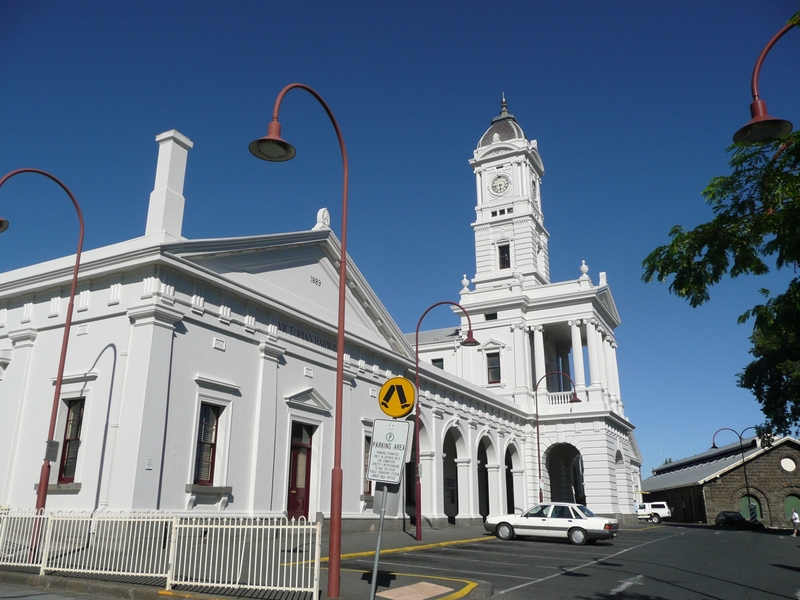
(558, 397)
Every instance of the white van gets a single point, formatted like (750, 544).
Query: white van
(653, 511)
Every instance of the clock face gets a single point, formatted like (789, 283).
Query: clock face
(500, 184)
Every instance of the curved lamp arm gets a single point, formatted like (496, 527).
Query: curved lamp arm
(740, 435)
(44, 478)
(469, 340)
(573, 399)
(273, 148)
(762, 126)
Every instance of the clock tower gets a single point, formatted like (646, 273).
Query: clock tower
(510, 238)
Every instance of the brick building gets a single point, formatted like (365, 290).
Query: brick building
(699, 487)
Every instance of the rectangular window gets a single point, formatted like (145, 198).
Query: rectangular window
(493, 367)
(504, 256)
(72, 440)
(491, 316)
(438, 363)
(206, 444)
(367, 485)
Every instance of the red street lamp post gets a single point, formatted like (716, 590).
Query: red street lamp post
(573, 399)
(469, 340)
(44, 476)
(750, 507)
(762, 126)
(275, 149)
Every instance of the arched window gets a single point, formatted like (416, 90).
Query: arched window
(746, 511)
(792, 501)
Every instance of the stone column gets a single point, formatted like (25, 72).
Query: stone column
(430, 483)
(521, 502)
(521, 360)
(615, 372)
(577, 356)
(435, 485)
(601, 358)
(497, 486)
(467, 490)
(611, 384)
(144, 409)
(538, 357)
(262, 473)
(591, 346)
(22, 342)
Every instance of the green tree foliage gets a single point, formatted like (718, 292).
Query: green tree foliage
(756, 219)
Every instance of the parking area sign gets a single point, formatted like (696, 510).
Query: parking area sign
(390, 450)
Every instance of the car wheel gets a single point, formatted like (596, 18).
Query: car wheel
(578, 536)
(505, 531)
(656, 518)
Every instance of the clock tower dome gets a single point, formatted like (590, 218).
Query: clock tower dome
(510, 238)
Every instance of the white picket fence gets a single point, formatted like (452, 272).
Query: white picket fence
(237, 553)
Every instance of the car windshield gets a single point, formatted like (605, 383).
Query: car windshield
(585, 511)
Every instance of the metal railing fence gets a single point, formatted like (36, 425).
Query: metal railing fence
(246, 553)
(236, 553)
(130, 543)
(20, 534)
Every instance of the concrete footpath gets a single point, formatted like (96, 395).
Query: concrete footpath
(354, 583)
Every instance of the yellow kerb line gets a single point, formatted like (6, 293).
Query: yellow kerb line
(410, 548)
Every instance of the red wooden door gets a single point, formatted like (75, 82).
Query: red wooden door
(299, 471)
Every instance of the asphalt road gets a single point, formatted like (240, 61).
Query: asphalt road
(645, 563)
(659, 562)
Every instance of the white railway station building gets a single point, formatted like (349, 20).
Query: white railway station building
(200, 375)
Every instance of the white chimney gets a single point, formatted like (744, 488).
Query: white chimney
(166, 200)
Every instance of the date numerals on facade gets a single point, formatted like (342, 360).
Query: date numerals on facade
(315, 281)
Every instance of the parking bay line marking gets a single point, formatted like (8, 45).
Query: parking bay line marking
(536, 556)
(485, 562)
(589, 564)
(491, 562)
(449, 570)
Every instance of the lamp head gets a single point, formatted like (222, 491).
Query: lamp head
(3, 224)
(470, 340)
(574, 397)
(762, 127)
(714, 446)
(272, 147)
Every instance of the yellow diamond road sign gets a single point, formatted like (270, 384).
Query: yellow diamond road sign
(397, 397)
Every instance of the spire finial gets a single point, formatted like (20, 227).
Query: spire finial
(504, 114)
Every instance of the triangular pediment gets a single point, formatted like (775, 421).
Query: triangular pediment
(300, 272)
(606, 300)
(309, 399)
(491, 344)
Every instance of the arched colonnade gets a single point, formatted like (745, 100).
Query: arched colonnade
(472, 471)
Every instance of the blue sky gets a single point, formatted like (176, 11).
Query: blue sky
(632, 104)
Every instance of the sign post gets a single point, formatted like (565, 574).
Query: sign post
(390, 449)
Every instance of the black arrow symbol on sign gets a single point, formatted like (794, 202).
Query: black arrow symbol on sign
(401, 396)
(387, 397)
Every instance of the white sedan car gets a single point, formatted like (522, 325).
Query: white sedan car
(560, 520)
